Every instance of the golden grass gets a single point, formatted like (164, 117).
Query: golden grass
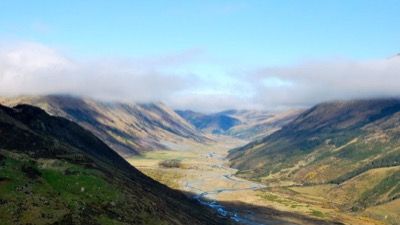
(389, 212)
(200, 170)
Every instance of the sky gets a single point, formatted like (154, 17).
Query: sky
(202, 55)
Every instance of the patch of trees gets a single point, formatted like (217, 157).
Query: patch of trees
(386, 161)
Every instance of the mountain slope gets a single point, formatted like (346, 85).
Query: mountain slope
(213, 123)
(331, 143)
(52, 171)
(127, 128)
(256, 124)
(244, 124)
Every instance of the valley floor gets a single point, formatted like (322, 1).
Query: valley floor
(204, 174)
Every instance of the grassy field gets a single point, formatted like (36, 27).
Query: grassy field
(325, 202)
(198, 168)
(50, 190)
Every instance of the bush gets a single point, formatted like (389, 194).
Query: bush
(170, 163)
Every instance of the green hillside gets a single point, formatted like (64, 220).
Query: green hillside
(334, 143)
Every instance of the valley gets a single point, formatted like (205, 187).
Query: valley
(204, 174)
(243, 112)
(335, 163)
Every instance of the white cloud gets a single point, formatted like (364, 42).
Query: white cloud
(31, 68)
(314, 82)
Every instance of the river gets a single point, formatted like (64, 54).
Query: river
(223, 180)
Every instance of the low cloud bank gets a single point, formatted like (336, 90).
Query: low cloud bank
(314, 82)
(32, 68)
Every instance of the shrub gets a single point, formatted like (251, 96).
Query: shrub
(170, 163)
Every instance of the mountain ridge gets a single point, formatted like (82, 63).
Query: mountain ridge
(331, 143)
(242, 124)
(127, 128)
(217, 123)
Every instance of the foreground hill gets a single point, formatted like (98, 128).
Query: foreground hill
(348, 144)
(127, 128)
(244, 124)
(52, 171)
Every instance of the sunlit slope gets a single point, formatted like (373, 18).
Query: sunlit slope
(256, 124)
(127, 128)
(373, 187)
(331, 143)
(53, 171)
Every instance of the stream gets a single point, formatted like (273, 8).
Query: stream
(204, 198)
(220, 209)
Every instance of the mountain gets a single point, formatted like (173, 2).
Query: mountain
(244, 124)
(349, 144)
(52, 171)
(256, 124)
(127, 128)
(217, 123)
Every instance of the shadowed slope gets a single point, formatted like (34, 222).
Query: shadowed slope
(213, 123)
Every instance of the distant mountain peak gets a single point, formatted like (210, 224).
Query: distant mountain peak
(245, 124)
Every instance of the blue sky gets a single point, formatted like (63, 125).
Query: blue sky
(222, 38)
(255, 32)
